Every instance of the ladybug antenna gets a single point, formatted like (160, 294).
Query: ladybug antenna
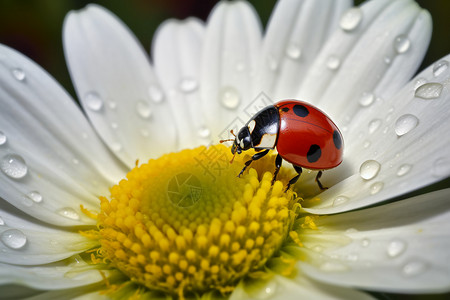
(232, 159)
(228, 140)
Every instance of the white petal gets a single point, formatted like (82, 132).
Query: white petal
(353, 62)
(78, 293)
(230, 56)
(296, 32)
(282, 288)
(177, 51)
(55, 276)
(399, 247)
(13, 291)
(408, 138)
(28, 242)
(117, 86)
(65, 161)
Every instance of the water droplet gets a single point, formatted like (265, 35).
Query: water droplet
(69, 213)
(405, 124)
(155, 93)
(402, 43)
(440, 67)
(441, 167)
(366, 99)
(369, 169)
(333, 266)
(351, 19)
(430, 90)
(93, 101)
(333, 62)
(293, 51)
(376, 187)
(365, 242)
(2, 222)
(143, 109)
(367, 144)
(403, 169)
(188, 85)
(18, 74)
(340, 200)
(351, 230)
(318, 248)
(230, 97)
(114, 125)
(387, 60)
(13, 166)
(204, 132)
(374, 125)
(414, 268)
(112, 105)
(2, 138)
(13, 238)
(267, 291)
(75, 161)
(396, 247)
(35, 196)
(116, 147)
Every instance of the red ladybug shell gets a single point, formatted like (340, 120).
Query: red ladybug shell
(307, 136)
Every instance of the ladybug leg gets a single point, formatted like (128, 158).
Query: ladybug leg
(319, 174)
(295, 179)
(278, 162)
(254, 157)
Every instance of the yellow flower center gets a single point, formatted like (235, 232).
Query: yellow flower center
(186, 224)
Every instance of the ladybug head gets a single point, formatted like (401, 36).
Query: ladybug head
(242, 142)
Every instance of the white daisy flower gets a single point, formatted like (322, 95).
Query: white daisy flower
(125, 202)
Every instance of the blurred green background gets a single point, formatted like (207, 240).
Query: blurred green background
(33, 27)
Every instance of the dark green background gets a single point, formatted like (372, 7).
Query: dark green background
(34, 28)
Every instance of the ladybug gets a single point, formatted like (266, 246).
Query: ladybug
(303, 135)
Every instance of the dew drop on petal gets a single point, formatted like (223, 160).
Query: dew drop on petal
(440, 67)
(366, 99)
(35, 196)
(405, 124)
(18, 74)
(2, 222)
(365, 242)
(69, 213)
(318, 248)
(93, 101)
(340, 200)
(367, 144)
(376, 187)
(414, 268)
(293, 51)
(396, 247)
(14, 166)
(267, 291)
(402, 43)
(351, 230)
(430, 90)
(387, 60)
(116, 147)
(155, 93)
(333, 62)
(143, 109)
(403, 169)
(369, 169)
(188, 85)
(204, 132)
(112, 105)
(2, 138)
(272, 63)
(351, 19)
(229, 97)
(13, 238)
(374, 125)
(441, 167)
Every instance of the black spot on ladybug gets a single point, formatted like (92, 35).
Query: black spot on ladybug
(300, 110)
(285, 109)
(337, 139)
(314, 153)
